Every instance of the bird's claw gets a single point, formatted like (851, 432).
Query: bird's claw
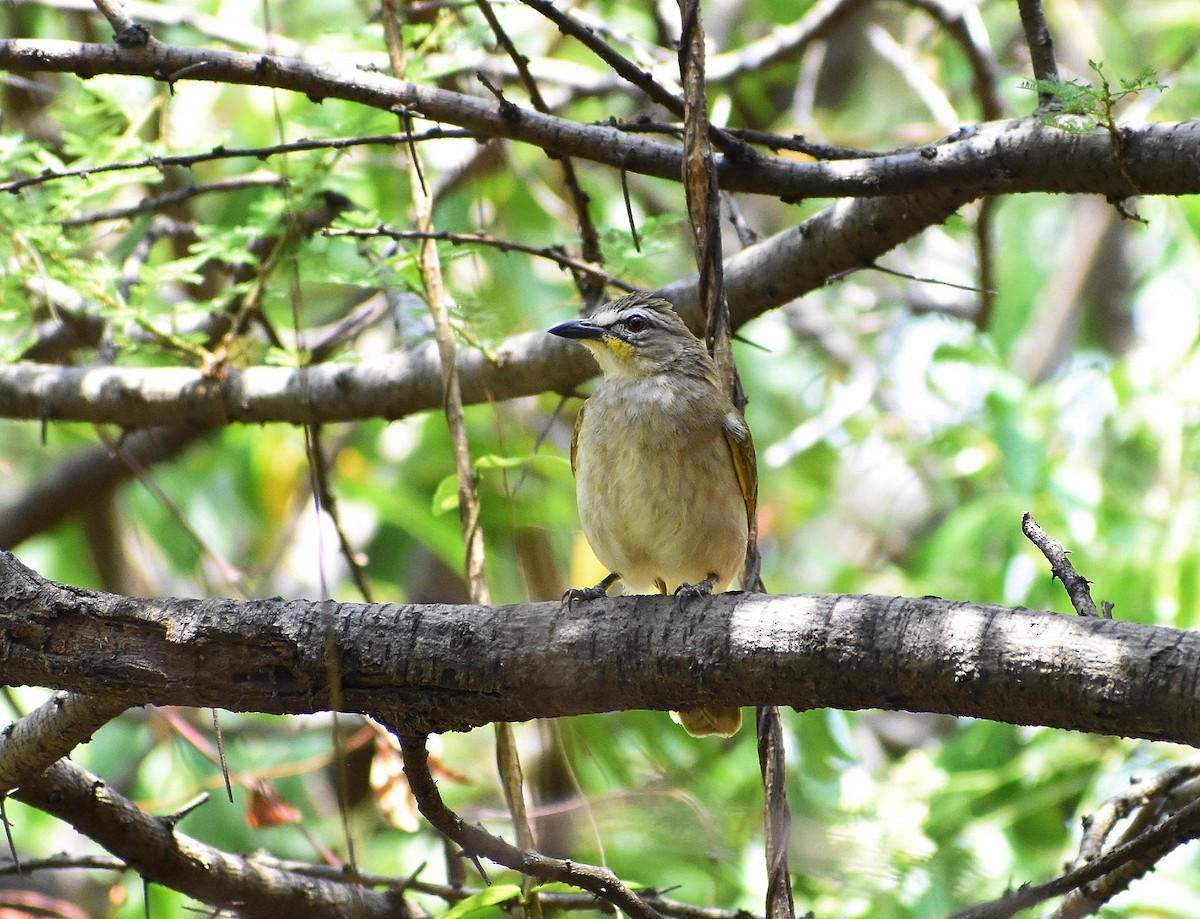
(595, 592)
(687, 592)
(583, 593)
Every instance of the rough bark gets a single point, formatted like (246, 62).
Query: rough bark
(1004, 156)
(439, 668)
(151, 845)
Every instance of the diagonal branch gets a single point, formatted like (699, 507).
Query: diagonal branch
(1005, 156)
(31, 744)
(476, 841)
(151, 846)
(769, 274)
(84, 480)
(1076, 585)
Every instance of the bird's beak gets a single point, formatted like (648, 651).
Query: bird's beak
(578, 328)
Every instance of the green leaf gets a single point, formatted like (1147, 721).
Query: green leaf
(495, 461)
(445, 496)
(489, 896)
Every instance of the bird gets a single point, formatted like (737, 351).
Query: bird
(665, 472)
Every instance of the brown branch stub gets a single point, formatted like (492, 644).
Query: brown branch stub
(126, 32)
(1076, 585)
(1041, 46)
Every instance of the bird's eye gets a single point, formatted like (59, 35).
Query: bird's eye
(636, 323)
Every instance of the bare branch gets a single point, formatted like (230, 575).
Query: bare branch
(1151, 802)
(1041, 46)
(84, 479)
(619, 65)
(477, 841)
(438, 668)
(1013, 156)
(152, 847)
(188, 160)
(177, 196)
(31, 744)
(1127, 861)
(555, 254)
(559, 901)
(1073, 582)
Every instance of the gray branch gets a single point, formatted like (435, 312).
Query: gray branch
(31, 744)
(439, 668)
(997, 157)
(158, 852)
(774, 272)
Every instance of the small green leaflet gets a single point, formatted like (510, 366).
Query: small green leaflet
(489, 896)
(445, 496)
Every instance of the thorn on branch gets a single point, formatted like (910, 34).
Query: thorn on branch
(1127, 212)
(1076, 586)
(173, 818)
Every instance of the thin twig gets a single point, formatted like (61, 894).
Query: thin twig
(777, 815)
(1073, 582)
(1150, 802)
(620, 65)
(187, 160)
(627, 70)
(1041, 47)
(475, 840)
(875, 266)
(327, 502)
(1136, 857)
(429, 264)
(590, 287)
(553, 254)
(178, 196)
(704, 214)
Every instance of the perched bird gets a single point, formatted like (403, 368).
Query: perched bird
(665, 473)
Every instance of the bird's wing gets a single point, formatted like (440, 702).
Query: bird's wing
(745, 464)
(575, 435)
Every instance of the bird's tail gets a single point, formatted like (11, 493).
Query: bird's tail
(703, 722)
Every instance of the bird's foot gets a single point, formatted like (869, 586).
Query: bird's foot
(684, 593)
(596, 592)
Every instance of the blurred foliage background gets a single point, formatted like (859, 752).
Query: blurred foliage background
(904, 422)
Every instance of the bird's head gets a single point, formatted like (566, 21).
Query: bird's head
(635, 335)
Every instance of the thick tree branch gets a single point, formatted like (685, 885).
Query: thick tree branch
(31, 744)
(776, 271)
(152, 846)
(996, 157)
(439, 668)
